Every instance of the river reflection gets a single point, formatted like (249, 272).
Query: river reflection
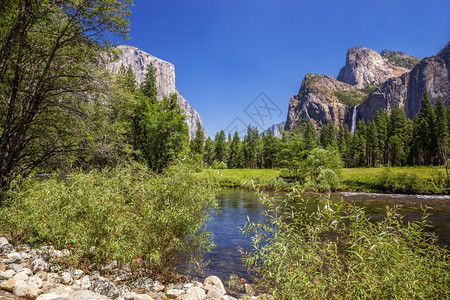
(236, 205)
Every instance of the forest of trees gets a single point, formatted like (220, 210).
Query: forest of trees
(388, 140)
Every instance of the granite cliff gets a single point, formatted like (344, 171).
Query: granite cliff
(367, 83)
(430, 74)
(165, 78)
(365, 67)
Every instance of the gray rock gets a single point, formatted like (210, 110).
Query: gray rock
(213, 292)
(174, 293)
(8, 274)
(15, 267)
(35, 281)
(214, 281)
(85, 282)
(20, 288)
(121, 276)
(66, 278)
(76, 274)
(43, 275)
(21, 276)
(26, 271)
(145, 297)
(165, 78)
(194, 293)
(6, 248)
(39, 265)
(129, 296)
(86, 295)
(13, 258)
(143, 283)
(53, 278)
(105, 288)
(32, 292)
(113, 265)
(3, 241)
(51, 296)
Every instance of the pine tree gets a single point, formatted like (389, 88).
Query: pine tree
(220, 147)
(309, 137)
(208, 153)
(270, 149)
(441, 131)
(197, 143)
(236, 155)
(424, 132)
(148, 86)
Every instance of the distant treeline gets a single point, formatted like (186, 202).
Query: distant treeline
(390, 139)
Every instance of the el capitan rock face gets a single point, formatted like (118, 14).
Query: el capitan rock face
(365, 67)
(165, 79)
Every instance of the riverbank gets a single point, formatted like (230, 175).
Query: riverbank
(27, 273)
(398, 180)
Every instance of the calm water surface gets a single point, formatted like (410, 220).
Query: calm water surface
(238, 205)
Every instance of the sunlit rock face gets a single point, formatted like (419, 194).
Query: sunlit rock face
(376, 82)
(365, 67)
(140, 60)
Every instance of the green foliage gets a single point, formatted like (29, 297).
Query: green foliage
(48, 76)
(131, 215)
(405, 62)
(162, 135)
(218, 165)
(354, 97)
(337, 252)
(320, 170)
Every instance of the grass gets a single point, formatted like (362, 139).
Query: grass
(352, 179)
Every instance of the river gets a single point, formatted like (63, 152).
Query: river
(238, 205)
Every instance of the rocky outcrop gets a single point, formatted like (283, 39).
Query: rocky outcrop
(275, 129)
(391, 93)
(365, 67)
(400, 59)
(430, 74)
(165, 78)
(318, 102)
(323, 98)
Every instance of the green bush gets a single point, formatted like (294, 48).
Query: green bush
(219, 165)
(155, 220)
(336, 252)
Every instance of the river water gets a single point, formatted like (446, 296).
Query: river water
(236, 206)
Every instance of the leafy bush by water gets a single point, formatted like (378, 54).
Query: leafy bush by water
(336, 252)
(130, 214)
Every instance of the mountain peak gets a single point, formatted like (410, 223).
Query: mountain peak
(365, 67)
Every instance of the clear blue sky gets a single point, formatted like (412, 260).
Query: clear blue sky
(227, 52)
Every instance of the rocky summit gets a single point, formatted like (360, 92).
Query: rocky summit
(367, 83)
(365, 67)
(140, 60)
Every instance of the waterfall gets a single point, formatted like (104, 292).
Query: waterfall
(353, 127)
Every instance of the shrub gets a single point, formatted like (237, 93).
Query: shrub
(336, 252)
(219, 165)
(156, 220)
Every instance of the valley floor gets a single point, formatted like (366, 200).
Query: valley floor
(419, 180)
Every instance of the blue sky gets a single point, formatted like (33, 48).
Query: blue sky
(227, 52)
